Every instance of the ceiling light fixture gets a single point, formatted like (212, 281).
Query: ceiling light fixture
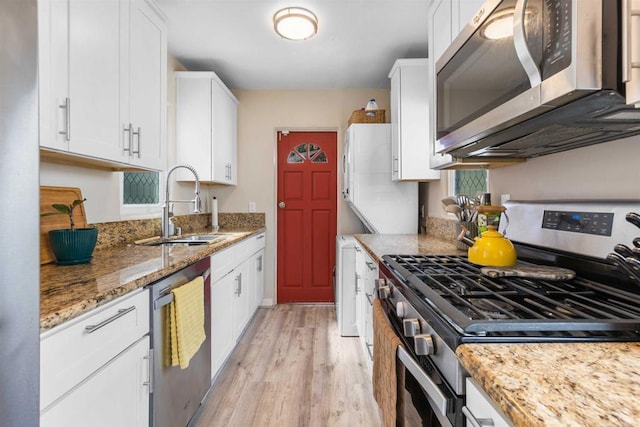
(295, 23)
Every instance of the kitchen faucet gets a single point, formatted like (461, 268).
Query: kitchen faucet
(166, 211)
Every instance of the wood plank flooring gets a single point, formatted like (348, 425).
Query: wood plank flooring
(292, 368)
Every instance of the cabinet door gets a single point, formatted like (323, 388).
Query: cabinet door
(369, 295)
(224, 128)
(147, 81)
(481, 407)
(361, 273)
(440, 34)
(462, 13)
(396, 134)
(53, 73)
(242, 296)
(258, 263)
(193, 125)
(96, 77)
(115, 395)
(223, 337)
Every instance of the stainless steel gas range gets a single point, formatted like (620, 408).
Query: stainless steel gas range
(437, 302)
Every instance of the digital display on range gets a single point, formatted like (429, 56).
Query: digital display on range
(598, 223)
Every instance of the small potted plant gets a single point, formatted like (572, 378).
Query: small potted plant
(72, 245)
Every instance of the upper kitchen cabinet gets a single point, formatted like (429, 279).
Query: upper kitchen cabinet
(206, 127)
(446, 19)
(102, 82)
(410, 121)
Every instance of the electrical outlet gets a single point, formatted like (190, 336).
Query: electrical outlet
(504, 198)
(252, 206)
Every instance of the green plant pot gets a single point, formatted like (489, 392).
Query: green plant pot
(73, 246)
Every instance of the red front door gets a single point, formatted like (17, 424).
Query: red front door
(307, 190)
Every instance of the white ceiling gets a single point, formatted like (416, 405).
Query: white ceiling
(356, 44)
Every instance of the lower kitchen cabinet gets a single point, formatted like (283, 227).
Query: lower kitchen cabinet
(96, 363)
(115, 395)
(366, 275)
(480, 410)
(235, 286)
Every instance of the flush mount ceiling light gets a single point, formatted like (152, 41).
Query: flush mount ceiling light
(295, 23)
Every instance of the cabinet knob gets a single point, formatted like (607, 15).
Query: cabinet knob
(282, 205)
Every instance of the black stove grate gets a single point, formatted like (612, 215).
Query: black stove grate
(477, 305)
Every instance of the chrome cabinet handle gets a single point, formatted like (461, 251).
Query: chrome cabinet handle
(357, 283)
(92, 328)
(520, 42)
(395, 165)
(372, 266)
(370, 350)
(129, 131)
(138, 133)
(149, 382)
(238, 284)
(259, 264)
(370, 298)
(260, 237)
(476, 422)
(67, 119)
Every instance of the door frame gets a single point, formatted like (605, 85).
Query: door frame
(339, 139)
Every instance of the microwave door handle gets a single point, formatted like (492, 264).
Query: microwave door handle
(520, 42)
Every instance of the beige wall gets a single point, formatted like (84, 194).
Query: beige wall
(605, 171)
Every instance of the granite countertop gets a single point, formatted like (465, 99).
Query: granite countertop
(564, 384)
(407, 244)
(69, 291)
(545, 384)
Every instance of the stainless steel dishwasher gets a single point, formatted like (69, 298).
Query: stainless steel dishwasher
(177, 393)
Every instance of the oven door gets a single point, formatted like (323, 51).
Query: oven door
(427, 402)
(516, 60)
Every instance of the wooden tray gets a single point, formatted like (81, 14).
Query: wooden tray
(49, 196)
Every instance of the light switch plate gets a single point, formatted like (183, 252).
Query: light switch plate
(252, 206)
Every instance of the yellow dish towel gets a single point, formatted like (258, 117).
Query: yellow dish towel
(186, 320)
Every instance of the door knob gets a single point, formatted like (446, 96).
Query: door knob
(282, 205)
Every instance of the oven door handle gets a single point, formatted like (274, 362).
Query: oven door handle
(439, 399)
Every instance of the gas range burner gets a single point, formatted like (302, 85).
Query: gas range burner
(497, 309)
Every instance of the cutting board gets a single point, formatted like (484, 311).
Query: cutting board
(530, 271)
(48, 197)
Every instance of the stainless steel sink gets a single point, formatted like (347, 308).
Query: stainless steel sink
(198, 239)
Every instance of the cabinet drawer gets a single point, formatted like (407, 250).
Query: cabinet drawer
(223, 262)
(72, 351)
(256, 243)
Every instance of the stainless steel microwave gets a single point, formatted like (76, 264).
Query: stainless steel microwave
(527, 78)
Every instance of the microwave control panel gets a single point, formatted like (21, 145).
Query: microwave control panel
(598, 223)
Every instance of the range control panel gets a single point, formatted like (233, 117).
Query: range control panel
(598, 223)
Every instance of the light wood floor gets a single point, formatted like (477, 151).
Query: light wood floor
(292, 368)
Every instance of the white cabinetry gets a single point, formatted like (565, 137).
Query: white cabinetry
(446, 19)
(206, 127)
(102, 80)
(234, 283)
(98, 362)
(410, 121)
(480, 409)
(366, 275)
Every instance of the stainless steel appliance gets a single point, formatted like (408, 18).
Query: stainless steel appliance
(436, 302)
(527, 78)
(177, 393)
(19, 167)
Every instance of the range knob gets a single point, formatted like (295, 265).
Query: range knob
(423, 345)
(384, 290)
(411, 327)
(400, 309)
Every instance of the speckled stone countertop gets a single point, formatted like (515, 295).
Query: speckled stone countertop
(406, 244)
(563, 384)
(585, 384)
(68, 291)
